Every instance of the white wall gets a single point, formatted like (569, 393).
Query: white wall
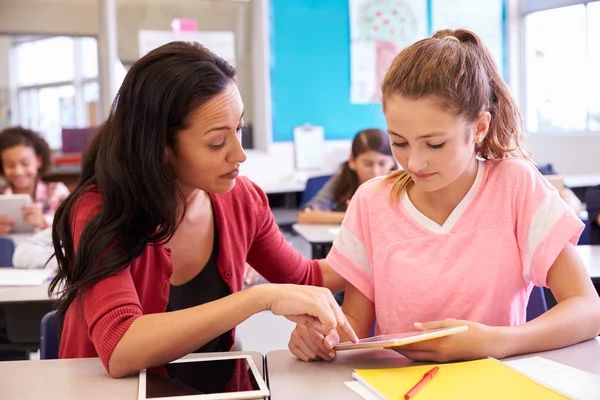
(60, 17)
(4, 61)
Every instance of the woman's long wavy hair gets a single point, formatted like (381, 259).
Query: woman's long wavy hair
(126, 162)
(455, 68)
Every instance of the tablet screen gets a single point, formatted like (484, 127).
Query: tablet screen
(197, 377)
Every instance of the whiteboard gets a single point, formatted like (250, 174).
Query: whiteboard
(222, 43)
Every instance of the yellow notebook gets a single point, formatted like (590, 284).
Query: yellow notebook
(487, 379)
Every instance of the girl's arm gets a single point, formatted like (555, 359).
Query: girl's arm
(359, 311)
(575, 318)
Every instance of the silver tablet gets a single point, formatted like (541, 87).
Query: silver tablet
(11, 205)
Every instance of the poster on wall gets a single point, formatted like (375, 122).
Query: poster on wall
(379, 29)
(222, 43)
(484, 17)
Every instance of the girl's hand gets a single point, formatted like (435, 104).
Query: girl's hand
(34, 214)
(6, 225)
(308, 344)
(479, 341)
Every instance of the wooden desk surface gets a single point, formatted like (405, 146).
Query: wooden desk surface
(291, 379)
(75, 379)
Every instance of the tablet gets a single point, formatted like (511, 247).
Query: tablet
(11, 205)
(400, 339)
(211, 378)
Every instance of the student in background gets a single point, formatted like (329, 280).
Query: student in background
(371, 157)
(152, 244)
(24, 159)
(462, 234)
(592, 201)
(35, 252)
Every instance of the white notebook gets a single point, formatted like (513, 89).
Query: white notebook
(573, 382)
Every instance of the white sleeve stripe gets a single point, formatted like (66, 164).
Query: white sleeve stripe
(348, 244)
(545, 217)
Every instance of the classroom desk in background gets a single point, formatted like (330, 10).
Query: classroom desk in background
(83, 378)
(23, 308)
(291, 379)
(320, 237)
(591, 258)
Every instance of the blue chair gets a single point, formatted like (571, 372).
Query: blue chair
(313, 185)
(49, 337)
(7, 248)
(537, 303)
(584, 239)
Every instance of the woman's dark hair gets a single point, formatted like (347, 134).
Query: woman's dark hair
(126, 162)
(18, 136)
(346, 182)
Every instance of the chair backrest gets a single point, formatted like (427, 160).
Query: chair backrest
(7, 248)
(585, 237)
(313, 185)
(49, 337)
(537, 303)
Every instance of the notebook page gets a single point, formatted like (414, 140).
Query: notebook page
(573, 382)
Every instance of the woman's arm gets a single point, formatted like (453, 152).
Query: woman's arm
(307, 216)
(575, 318)
(155, 339)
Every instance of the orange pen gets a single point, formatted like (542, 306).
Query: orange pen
(426, 378)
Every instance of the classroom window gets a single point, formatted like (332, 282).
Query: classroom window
(562, 57)
(62, 94)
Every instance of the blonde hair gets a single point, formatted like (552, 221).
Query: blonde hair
(457, 70)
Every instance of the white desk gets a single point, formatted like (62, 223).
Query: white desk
(24, 294)
(291, 379)
(83, 378)
(320, 237)
(581, 180)
(591, 258)
(317, 233)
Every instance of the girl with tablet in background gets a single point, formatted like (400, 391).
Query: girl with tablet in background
(24, 159)
(462, 234)
(371, 157)
(151, 245)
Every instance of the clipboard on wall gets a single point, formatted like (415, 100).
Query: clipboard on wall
(308, 147)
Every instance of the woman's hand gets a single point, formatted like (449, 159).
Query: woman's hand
(34, 214)
(479, 341)
(6, 225)
(314, 307)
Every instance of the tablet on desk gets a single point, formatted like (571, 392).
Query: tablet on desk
(226, 377)
(400, 339)
(11, 206)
